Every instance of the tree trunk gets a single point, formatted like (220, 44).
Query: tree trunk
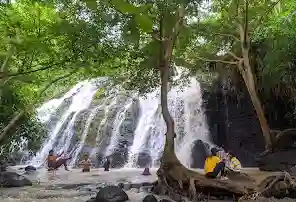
(174, 179)
(247, 74)
(12, 125)
(245, 69)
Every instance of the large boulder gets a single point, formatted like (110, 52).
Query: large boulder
(111, 194)
(286, 139)
(144, 159)
(277, 161)
(30, 168)
(150, 198)
(12, 179)
(3, 166)
(199, 154)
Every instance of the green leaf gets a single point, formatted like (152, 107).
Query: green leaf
(144, 22)
(125, 7)
(92, 4)
(131, 33)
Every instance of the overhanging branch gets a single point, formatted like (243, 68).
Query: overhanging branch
(228, 35)
(218, 61)
(233, 55)
(3, 75)
(11, 125)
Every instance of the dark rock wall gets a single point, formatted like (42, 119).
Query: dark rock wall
(233, 123)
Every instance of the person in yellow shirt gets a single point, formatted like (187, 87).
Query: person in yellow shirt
(214, 166)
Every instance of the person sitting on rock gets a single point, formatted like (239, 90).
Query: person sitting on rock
(85, 163)
(214, 166)
(54, 161)
(233, 163)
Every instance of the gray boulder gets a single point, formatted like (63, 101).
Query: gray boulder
(150, 198)
(111, 194)
(12, 179)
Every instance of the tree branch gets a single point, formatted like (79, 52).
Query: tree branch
(17, 118)
(262, 18)
(3, 75)
(11, 125)
(56, 80)
(218, 61)
(233, 55)
(229, 35)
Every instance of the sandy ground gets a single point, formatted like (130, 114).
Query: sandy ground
(65, 186)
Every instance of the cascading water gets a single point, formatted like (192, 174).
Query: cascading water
(115, 130)
(81, 98)
(79, 120)
(185, 106)
(84, 134)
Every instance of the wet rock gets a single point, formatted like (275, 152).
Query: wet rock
(146, 171)
(127, 186)
(30, 170)
(150, 198)
(147, 184)
(165, 200)
(144, 159)
(93, 199)
(286, 139)
(135, 190)
(87, 189)
(3, 167)
(120, 185)
(111, 194)
(12, 179)
(136, 185)
(199, 154)
(118, 158)
(277, 161)
(145, 189)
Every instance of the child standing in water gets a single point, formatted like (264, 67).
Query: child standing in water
(85, 163)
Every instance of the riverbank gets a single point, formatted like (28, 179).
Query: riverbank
(75, 186)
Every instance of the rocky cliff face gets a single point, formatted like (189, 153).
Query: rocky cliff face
(233, 122)
(234, 126)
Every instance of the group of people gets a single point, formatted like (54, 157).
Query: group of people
(55, 161)
(218, 163)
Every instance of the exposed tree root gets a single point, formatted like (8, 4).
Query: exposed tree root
(175, 180)
(174, 177)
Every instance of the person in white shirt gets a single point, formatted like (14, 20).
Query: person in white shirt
(233, 163)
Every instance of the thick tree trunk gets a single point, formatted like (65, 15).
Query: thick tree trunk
(248, 76)
(174, 178)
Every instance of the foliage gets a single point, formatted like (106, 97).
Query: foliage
(39, 47)
(50, 45)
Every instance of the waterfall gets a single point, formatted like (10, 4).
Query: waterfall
(84, 134)
(81, 95)
(116, 126)
(185, 106)
(127, 127)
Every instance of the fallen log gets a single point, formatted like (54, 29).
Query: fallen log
(174, 178)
